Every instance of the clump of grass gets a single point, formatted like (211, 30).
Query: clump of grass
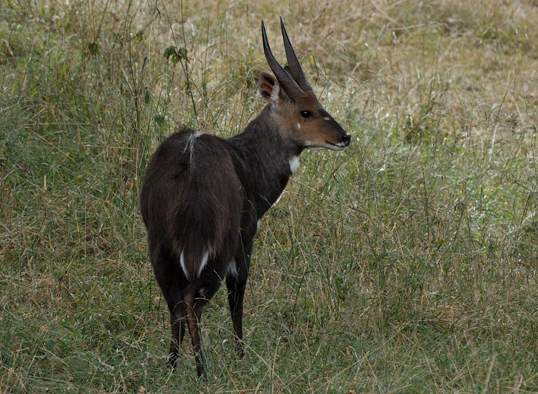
(406, 263)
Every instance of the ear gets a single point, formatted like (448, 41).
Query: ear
(269, 88)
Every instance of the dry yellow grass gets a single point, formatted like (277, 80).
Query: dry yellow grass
(472, 60)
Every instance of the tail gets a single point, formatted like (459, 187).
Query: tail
(206, 215)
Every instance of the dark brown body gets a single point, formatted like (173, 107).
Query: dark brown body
(203, 196)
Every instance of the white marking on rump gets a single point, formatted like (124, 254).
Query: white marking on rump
(294, 164)
(192, 137)
(182, 263)
(232, 269)
(203, 263)
(190, 144)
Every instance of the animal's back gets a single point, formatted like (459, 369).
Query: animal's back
(191, 202)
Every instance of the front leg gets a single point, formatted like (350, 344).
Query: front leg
(236, 282)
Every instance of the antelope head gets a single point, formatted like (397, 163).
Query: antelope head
(301, 117)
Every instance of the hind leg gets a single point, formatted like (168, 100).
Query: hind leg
(172, 283)
(178, 316)
(194, 316)
(196, 296)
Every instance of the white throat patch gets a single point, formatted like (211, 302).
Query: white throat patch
(294, 164)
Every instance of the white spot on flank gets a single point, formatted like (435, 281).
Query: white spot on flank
(307, 143)
(294, 164)
(326, 118)
(298, 125)
(258, 224)
(232, 269)
(275, 93)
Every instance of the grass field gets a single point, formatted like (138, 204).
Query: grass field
(404, 264)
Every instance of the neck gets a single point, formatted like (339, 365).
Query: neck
(270, 158)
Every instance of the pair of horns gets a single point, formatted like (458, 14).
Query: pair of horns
(292, 78)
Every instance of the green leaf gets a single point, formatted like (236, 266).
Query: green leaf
(160, 119)
(93, 47)
(175, 55)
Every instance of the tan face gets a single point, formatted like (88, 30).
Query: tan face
(304, 120)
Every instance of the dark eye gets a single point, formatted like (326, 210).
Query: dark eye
(306, 114)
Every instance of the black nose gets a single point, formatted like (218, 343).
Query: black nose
(346, 139)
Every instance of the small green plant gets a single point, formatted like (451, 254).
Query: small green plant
(93, 48)
(175, 55)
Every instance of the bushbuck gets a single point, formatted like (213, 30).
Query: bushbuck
(203, 196)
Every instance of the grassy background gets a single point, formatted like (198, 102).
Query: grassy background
(405, 264)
